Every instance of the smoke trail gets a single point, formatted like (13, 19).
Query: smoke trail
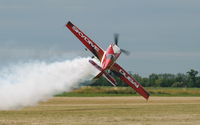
(27, 84)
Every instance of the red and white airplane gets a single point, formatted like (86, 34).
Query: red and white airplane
(108, 60)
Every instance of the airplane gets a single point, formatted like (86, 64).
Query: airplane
(108, 61)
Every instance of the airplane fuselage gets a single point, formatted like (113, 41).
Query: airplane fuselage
(108, 61)
(110, 56)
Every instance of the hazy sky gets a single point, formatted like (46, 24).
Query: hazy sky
(163, 36)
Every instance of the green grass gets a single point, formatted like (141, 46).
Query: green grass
(174, 91)
(88, 91)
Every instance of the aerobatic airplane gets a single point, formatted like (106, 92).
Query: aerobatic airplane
(108, 60)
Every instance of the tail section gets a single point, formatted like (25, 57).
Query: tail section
(109, 78)
(99, 75)
(103, 73)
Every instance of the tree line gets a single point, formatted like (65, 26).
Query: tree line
(188, 79)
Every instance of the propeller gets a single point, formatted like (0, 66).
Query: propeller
(126, 52)
(116, 37)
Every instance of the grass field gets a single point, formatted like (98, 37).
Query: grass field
(131, 110)
(128, 91)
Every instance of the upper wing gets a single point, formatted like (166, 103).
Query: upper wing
(127, 78)
(92, 46)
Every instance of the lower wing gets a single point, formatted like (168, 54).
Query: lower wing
(127, 78)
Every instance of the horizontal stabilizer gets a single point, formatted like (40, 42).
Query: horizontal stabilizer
(103, 73)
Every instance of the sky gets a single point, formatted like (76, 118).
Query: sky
(163, 36)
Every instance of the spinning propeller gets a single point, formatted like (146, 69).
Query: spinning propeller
(116, 37)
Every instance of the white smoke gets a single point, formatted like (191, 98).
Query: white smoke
(27, 84)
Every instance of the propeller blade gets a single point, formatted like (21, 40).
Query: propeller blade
(125, 52)
(116, 37)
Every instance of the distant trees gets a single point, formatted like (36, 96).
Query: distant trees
(193, 79)
(190, 79)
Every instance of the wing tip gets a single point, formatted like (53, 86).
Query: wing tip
(147, 97)
(69, 23)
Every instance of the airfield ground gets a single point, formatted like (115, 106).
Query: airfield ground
(131, 110)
